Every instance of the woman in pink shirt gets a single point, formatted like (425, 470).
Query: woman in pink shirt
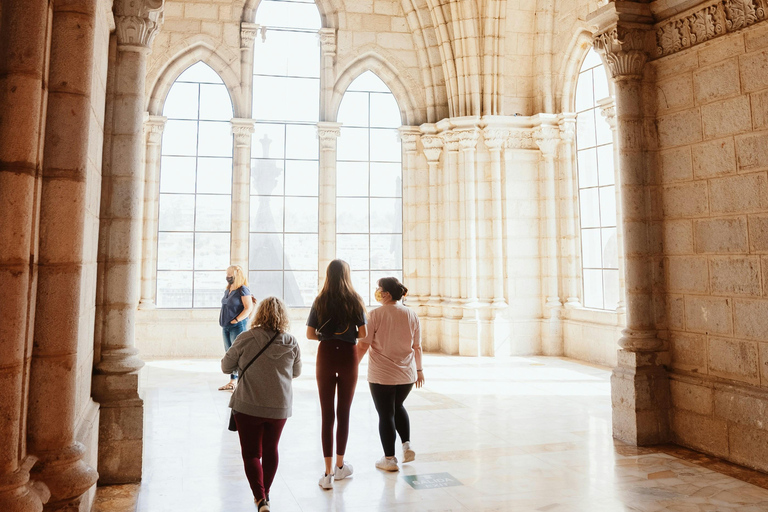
(394, 365)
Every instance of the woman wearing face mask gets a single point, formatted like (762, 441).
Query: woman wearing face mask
(236, 306)
(337, 319)
(394, 339)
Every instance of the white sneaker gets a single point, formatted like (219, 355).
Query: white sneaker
(408, 454)
(326, 482)
(387, 464)
(342, 472)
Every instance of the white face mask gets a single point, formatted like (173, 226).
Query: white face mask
(378, 296)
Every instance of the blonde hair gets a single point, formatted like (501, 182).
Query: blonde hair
(239, 275)
(271, 314)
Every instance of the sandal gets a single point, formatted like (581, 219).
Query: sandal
(227, 387)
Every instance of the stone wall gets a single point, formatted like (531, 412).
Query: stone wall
(712, 103)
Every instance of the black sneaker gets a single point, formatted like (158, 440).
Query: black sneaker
(263, 505)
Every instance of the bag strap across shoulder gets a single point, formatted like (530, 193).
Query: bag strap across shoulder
(257, 355)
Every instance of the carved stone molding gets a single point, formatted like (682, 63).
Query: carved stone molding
(242, 129)
(410, 136)
(495, 139)
(137, 21)
(520, 139)
(153, 127)
(328, 41)
(433, 146)
(248, 33)
(567, 124)
(624, 50)
(608, 111)
(327, 133)
(714, 20)
(547, 138)
(468, 138)
(450, 141)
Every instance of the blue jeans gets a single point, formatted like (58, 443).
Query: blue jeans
(230, 333)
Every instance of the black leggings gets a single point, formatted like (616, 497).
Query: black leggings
(392, 415)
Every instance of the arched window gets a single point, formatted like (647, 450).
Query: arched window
(369, 205)
(597, 189)
(283, 257)
(195, 203)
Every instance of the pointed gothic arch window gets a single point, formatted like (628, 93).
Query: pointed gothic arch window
(283, 246)
(369, 205)
(597, 189)
(195, 201)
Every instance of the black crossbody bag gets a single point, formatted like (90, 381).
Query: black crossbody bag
(232, 424)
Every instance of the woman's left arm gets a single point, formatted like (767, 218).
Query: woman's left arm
(417, 354)
(247, 306)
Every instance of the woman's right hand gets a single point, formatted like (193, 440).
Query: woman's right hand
(419, 379)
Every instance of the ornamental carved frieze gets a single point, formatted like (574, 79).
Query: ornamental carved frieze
(137, 21)
(706, 23)
(520, 139)
(624, 50)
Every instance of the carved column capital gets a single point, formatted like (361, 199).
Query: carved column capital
(248, 33)
(495, 139)
(328, 41)
(624, 37)
(153, 127)
(328, 132)
(242, 129)
(468, 138)
(608, 111)
(137, 22)
(450, 141)
(433, 146)
(547, 138)
(567, 125)
(410, 136)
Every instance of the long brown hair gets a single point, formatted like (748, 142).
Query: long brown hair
(338, 302)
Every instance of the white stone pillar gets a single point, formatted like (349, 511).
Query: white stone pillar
(433, 146)
(153, 128)
(568, 211)
(639, 384)
(25, 28)
(494, 141)
(242, 130)
(116, 379)
(415, 220)
(327, 63)
(451, 271)
(328, 133)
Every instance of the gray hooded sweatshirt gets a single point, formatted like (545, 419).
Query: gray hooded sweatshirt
(265, 389)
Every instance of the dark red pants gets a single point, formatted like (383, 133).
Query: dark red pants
(258, 443)
(336, 373)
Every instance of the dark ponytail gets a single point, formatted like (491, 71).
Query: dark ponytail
(394, 287)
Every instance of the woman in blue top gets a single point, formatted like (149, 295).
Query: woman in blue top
(236, 306)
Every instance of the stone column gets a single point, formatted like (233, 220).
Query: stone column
(608, 111)
(23, 94)
(116, 379)
(639, 384)
(153, 128)
(242, 129)
(248, 32)
(415, 220)
(327, 62)
(328, 133)
(65, 303)
(452, 311)
(494, 141)
(433, 145)
(568, 211)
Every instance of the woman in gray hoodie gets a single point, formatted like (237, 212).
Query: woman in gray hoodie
(263, 398)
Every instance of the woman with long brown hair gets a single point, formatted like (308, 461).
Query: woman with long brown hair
(337, 319)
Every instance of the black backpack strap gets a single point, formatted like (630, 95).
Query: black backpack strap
(257, 355)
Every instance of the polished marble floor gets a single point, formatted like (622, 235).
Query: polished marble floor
(518, 434)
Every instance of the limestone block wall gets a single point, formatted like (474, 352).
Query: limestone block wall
(712, 122)
(518, 77)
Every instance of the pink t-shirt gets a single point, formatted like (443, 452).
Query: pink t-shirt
(394, 335)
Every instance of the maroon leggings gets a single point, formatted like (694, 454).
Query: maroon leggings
(336, 367)
(258, 442)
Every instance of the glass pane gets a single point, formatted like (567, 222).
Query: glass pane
(591, 60)
(386, 180)
(177, 174)
(213, 213)
(585, 129)
(608, 206)
(605, 165)
(353, 144)
(591, 248)
(384, 111)
(181, 102)
(215, 139)
(288, 15)
(611, 288)
(268, 141)
(215, 105)
(286, 99)
(352, 179)
(209, 289)
(200, 72)
(600, 79)
(300, 288)
(266, 252)
(386, 216)
(301, 178)
(211, 251)
(176, 212)
(301, 214)
(287, 53)
(301, 142)
(590, 208)
(267, 177)
(353, 110)
(174, 289)
(351, 215)
(604, 132)
(361, 282)
(180, 138)
(386, 252)
(214, 175)
(610, 248)
(301, 252)
(385, 145)
(353, 249)
(593, 288)
(174, 251)
(369, 82)
(587, 162)
(266, 284)
(266, 214)
(584, 91)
